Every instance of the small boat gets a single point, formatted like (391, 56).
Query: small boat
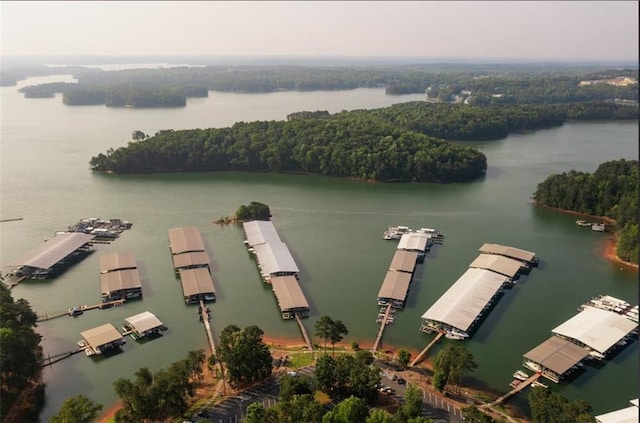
(396, 232)
(75, 311)
(456, 334)
(537, 384)
(582, 223)
(533, 366)
(82, 344)
(598, 227)
(596, 354)
(520, 375)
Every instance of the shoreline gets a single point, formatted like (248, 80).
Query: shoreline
(609, 246)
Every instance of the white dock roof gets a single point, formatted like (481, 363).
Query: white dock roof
(185, 239)
(101, 335)
(288, 293)
(117, 261)
(196, 281)
(260, 232)
(465, 299)
(144, 321)
(507, 251)
(623, 415)
(119, 280)
(52, 251)
(598, 329)
(499, 264)
(404, 261)
(274, 257)
(414, 241)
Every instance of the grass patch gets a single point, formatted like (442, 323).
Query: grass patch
(301, 360)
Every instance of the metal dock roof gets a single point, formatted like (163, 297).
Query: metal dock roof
(196, 281)
(119, 280)
(507, 251)
(623, 415)
(117, 261)
(52, 251)
(557, 354)
(596, 328)
(414, 241)
(466, 298)
(144, 321)
(185, 239)
(192, 259)
(395, 285)
(260, 232)
(101, 335)
(404, 261)
(274, 258)
(288, 293)
(499, 264)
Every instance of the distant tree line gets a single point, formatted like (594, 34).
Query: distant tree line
(488, 84)
(347, 145)
(611, 191)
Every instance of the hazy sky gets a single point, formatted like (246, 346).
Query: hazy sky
(556, 30)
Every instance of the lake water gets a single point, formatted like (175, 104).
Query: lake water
(332, 226)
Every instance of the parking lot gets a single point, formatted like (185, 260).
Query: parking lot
(233, 409)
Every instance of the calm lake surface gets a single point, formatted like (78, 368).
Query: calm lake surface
(332, 226)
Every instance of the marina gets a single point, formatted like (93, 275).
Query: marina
(323, 220)
(462, 307)
(102, 229)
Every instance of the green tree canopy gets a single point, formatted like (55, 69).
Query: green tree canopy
(246, 356)
(78, 409)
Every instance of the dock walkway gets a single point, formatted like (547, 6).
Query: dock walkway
(207, 327)
(426, 349)
(304, 333)
(514, 391)
(46, 316)
(383, 324)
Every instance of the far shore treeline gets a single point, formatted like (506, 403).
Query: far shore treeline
(611, 191)
(487, 84)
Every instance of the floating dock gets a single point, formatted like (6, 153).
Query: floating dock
(191, 263)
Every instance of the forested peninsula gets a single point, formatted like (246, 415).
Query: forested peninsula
(611, 192)
(344, 145)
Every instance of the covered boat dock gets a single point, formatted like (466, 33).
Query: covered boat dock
(260, 232)
(290, 297)
(415, 241)
(394, 289)
(601, 331)
(143, 324)
(117, 261)
(102, 338)
(275, 259)
(524, 256)
(404, 261)
(120, 284)
(555, 358)
(197, 285)
(185, 240)
(463, 304)
(190, 260)
(624, 415)
(498, 264)
(52, 257)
